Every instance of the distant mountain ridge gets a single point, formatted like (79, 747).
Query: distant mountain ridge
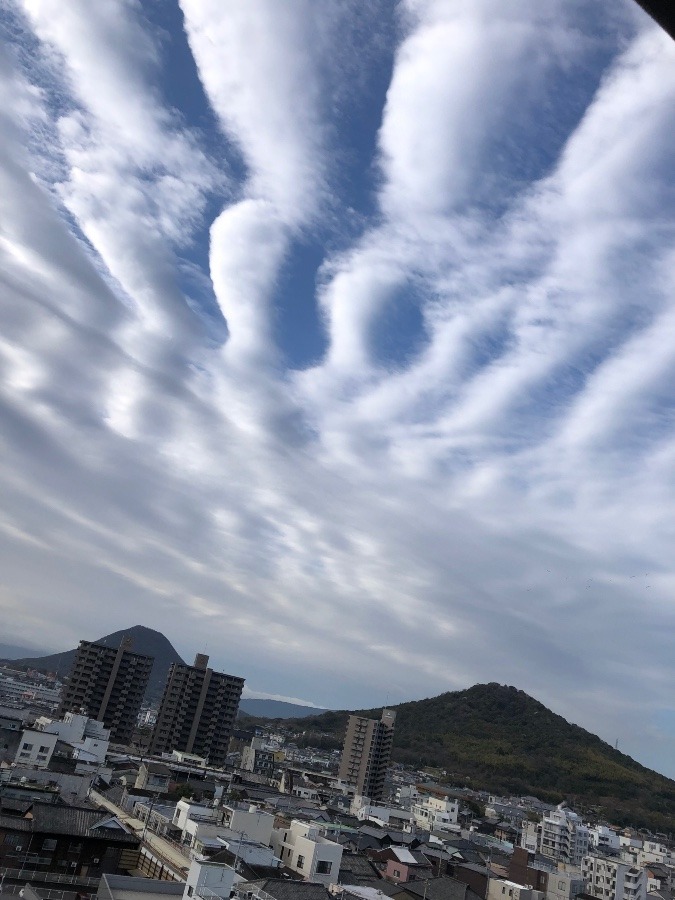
(277, 709)
(498, 738)
(144, 640)
(15, 651)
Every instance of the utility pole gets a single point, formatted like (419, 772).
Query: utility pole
(147, 818)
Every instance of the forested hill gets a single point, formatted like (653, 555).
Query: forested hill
(499, 738)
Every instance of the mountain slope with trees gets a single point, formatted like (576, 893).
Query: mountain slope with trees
(499, 738)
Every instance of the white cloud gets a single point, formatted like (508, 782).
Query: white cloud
(473, 510)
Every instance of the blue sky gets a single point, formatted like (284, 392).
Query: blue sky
(339, 341)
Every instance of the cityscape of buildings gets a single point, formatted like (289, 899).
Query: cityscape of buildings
(104, 793)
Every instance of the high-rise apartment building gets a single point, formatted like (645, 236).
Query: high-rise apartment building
(366, 753)
(197, 712)
(108, 683)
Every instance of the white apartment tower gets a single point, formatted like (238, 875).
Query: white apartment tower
(561, 835)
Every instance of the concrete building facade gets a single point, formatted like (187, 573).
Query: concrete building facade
(611, 879)
(197, 711)
(302, 848)
(560, 835)
(366, 753)
(108, 684)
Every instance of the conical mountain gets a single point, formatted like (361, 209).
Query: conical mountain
(144, 640)
(498, 738)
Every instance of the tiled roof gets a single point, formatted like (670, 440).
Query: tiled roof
(49, 818)
(282, 889)
(357, 869)
(432, 889)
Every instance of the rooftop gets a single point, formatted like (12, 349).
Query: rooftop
(77, 821)
(122, 887)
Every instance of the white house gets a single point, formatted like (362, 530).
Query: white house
(384, 816)
(187, 810)
(603, 839)
(435, 813)
(208, 880)
(565, 884)
(35, 748)
(407, 794)
(89, 737)
(304, 849)
(503, 889)
(250, 822)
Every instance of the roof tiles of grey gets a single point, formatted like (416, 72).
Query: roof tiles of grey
(112, 883)
(48, 818)
(157, 768)
(358, 869)
(436, 852)
(384, 835)
(433, 889)
(283, 889)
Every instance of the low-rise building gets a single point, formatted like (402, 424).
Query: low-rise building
(565, 885)
(250, 821)
(385, 816)
(435, 813)
(503, 889)
(153, 776)
(604, 839)
(257, 757)
(35, 748)
(402, 864)
(88, 737)
(67, 840)
(189, 810)
(304, 849)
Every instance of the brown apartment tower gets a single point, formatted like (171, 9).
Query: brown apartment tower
(366, 753)
(108, 683)
(197, 711)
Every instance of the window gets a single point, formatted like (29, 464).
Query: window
(49, 844)
(323, 867)
(396, 873)
(301, 862)
(44, 749)
(27, 747)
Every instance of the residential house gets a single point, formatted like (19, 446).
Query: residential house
(153, 776)
(303, 848)
(258, 758)
(503, 889)
(384, 816)
(35, 748)
(429, 889)
(88, 737)
(402, 864)
(67, 840)
(435, 813)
